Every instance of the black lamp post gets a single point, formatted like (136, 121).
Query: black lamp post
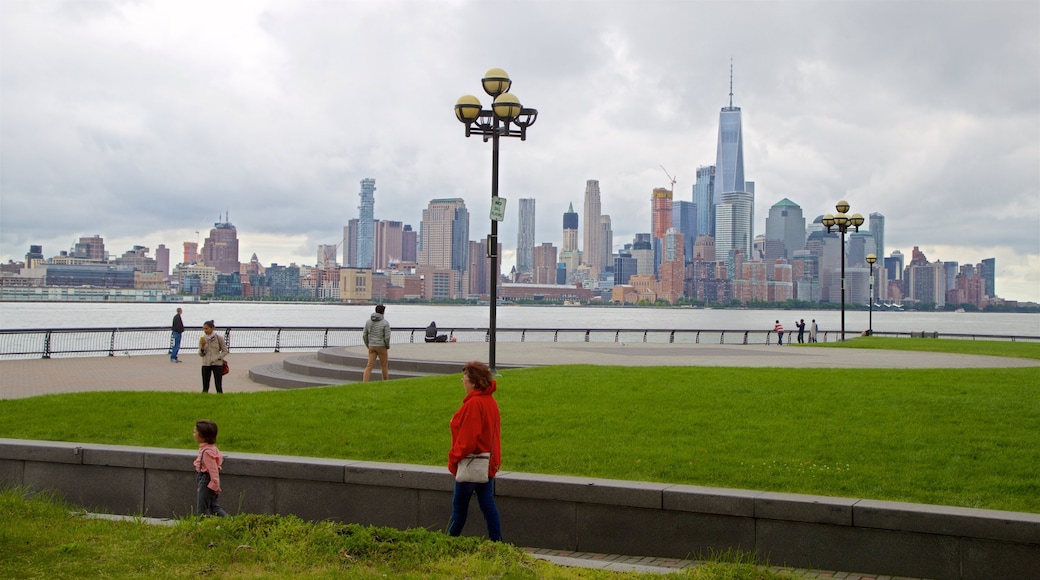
(506, 118)
(871, 258)
(843, 222)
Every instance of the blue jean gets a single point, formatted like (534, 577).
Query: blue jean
(486, 501)
(176, 348)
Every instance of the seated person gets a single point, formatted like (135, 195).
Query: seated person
(432, 336)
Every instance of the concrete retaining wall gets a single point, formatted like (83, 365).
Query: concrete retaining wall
(547, 511)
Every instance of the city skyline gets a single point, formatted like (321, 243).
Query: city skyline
(146, 123)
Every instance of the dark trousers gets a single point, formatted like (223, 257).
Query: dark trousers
(218, 377)
(205, 498)
(485, 499)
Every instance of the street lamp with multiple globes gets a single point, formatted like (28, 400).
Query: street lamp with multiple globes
(843, 221)
(506, 118)
(871, 258)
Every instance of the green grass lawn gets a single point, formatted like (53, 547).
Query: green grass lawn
(983, 347)
(44, 538)
(961, 437)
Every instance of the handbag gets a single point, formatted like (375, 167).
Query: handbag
(227, 369)
(473, 468)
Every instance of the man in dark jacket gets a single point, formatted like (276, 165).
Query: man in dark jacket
(178, 330)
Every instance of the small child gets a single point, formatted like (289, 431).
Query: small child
(207, 470)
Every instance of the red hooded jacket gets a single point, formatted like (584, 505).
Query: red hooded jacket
(477, 428)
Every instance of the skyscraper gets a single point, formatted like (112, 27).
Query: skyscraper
(729, 156)
(162, 261)
(733, 218)
(684, 221)
(444, 235)
(660, 211)
(366, 223)
(876, 226)
(525, 236)
(389, 236)
(787, 224)
(704, 200)
(570, 230)
(734, 223)
(606, 242)
(988, 271)
(593, 242)
(328, 256)
(220, 250)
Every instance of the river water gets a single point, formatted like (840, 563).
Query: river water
(40, 315)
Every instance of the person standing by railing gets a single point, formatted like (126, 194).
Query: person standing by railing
(178, 330)
(212, 349)
(779, 330)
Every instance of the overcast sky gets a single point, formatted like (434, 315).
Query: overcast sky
(145, 121)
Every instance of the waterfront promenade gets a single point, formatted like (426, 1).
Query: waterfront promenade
(32, 377)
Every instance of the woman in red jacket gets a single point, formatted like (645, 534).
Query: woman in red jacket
(476, 428)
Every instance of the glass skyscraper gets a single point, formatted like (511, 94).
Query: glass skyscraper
(704, 200)
(366, 236)
(734, 197)
(525, 236)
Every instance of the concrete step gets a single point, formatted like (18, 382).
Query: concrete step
(275, 375)
(352, 357)
(346, 370)
(342, 365)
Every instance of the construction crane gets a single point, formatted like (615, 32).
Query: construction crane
(672, 189)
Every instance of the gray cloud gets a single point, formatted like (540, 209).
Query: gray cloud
(144, 121)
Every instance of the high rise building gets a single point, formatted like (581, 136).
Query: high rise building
(162, 261)
(729, 156)
(90, 248)
(660, 211)
(787, 224)
(220, 250)
(366, 223)
(988, 272)
(672, 268)
(593, 242)
(876, 226)
(409, 244)
(684, 221)
(389, 237)
(704, 200)
(328, 256)
(444, 238)
(544, 264)
(606, 240)
(734, 197)
(525, 236)
(350, 235)
(570, 230)
(733, 218)
(191, 253)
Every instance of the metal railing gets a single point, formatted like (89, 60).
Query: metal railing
(84, 342)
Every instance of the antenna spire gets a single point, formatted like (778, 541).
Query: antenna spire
(731, 82)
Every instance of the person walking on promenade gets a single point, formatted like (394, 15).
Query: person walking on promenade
(212, 349)
(207, 470)
(779, 330)
(801, 330)
(476, 428)
(177, 330)
(376, 337)
(813, 330)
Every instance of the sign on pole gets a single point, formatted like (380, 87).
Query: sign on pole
(498, 209)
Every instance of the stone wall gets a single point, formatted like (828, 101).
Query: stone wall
(548, 511)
